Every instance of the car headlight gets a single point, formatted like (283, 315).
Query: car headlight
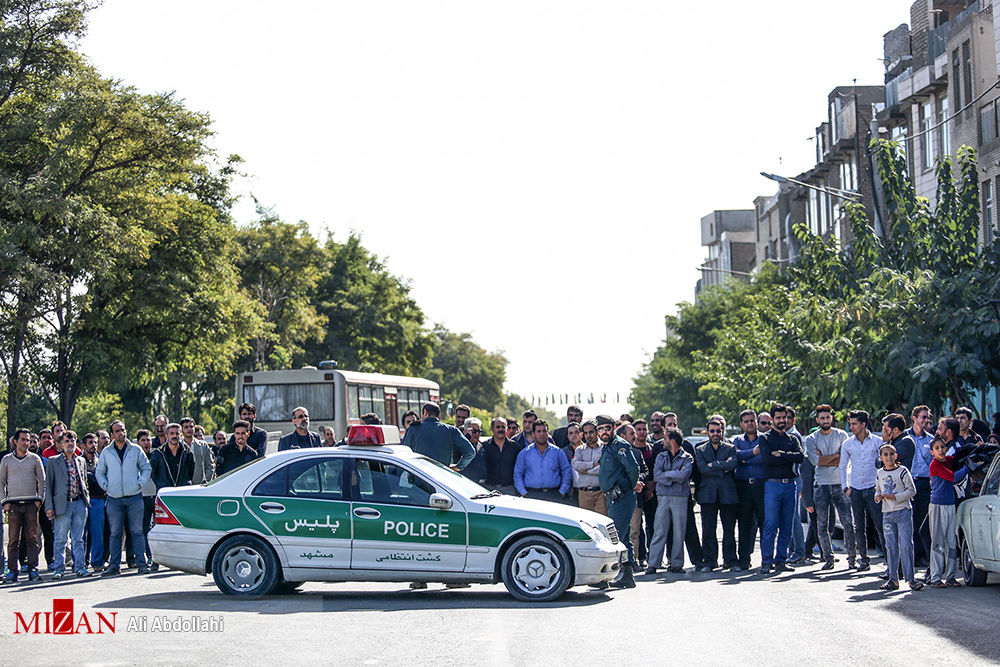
(593, 531)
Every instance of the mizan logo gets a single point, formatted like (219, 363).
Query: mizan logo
(62, 621)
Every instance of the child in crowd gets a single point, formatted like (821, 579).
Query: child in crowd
(894, 487)
(941, 515)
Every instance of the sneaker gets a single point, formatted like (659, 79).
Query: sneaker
(57, 576)
(797, 561)
(850, 564)
(154, 567)
(143, 569)
(765, 569)
(418, 586)
(916, 585)
(650, 570)
(828, 565)
(782, 567)
(864, 567)
(954, 583)
(24, 569)
(111, 573)
(33, 575)
(82, 572)
(10, 577)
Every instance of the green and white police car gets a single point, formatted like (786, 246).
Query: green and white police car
(374, 510)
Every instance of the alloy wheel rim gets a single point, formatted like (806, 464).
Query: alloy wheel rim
(243, 567)
(536, 570)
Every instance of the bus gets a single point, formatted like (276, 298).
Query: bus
(333, 397)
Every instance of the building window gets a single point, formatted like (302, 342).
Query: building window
(926, 140)
(899, 136)
(988, 212)
(956, 77)
(987, 123)
(944, 131)
(967, 71)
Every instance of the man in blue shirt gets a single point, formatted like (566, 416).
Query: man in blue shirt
(749, 486)
(437, 440)
(542, 471)
(920, 417)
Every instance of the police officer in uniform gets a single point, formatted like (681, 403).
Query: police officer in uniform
(619, 482)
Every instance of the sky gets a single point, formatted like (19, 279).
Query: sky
(536, 170)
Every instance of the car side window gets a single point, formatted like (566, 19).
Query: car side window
(322, 479)
(380, 482)
(991, 485)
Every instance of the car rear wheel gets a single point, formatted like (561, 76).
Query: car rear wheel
(245, 565)
(536, 569)
(972, 574)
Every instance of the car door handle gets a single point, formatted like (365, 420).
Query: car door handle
(366, 513)
(273, 508)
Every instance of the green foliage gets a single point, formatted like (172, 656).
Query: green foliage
(466, 372)
(884, 323)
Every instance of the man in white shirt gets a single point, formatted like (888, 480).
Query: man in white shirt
(859, 453)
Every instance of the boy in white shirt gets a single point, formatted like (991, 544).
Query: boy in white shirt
(894, 488)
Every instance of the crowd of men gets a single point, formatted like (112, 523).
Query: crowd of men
(894, 491)
(80, 501)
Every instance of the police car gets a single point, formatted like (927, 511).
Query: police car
(373, 510)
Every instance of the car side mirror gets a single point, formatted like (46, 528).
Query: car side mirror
(440, 501)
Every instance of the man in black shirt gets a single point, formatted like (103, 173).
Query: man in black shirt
(501, 454)
(781, 453)
(301, 437)
(258, 436)
(240, 452)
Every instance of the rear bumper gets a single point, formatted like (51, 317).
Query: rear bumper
(596, 564)
(181, 548)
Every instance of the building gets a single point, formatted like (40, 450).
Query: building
(776, 216)
(941, 74)
(843, 162)
(731, 239)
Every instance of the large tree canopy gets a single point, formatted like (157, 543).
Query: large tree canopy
(882, 324)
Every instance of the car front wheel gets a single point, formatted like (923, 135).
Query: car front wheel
(973, 575)
(536, 569)
(245, 565)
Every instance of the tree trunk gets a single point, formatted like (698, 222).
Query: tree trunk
(14, 374)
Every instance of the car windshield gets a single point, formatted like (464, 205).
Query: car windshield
(446, 475)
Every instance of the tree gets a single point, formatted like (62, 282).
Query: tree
(466, 372)
(281, 265)
(373, 322)
(36, 48)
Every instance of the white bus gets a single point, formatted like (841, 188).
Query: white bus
(333, 397)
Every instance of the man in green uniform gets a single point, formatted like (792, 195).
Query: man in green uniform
(619, 480)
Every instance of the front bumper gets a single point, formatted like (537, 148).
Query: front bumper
(595, 564)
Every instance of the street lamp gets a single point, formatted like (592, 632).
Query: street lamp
(849, 195)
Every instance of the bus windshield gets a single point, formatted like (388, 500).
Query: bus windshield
(275, 402)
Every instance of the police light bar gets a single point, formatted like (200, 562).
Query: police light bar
(372, 435)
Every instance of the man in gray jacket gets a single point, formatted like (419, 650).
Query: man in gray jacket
(672, 475)
(716, 461)
(67, 500)
(122, 471)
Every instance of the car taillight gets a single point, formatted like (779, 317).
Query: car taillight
(162, 515)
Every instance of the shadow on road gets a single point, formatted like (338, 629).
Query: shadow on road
(964, 615)
(312, 601)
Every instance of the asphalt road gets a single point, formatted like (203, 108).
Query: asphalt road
(795, 618)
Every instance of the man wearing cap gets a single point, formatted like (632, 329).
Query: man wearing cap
(619, 479)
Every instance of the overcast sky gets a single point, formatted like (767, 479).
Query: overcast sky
(537, 169)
